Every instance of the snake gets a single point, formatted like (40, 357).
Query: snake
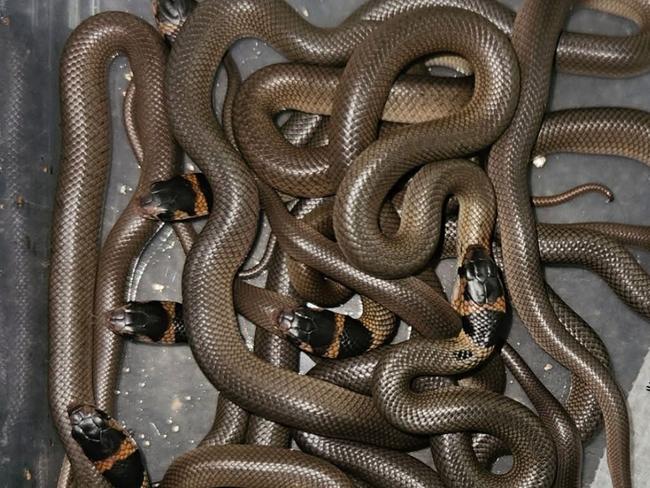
(252, 466)
(507, 166)
(83, 175)
(520, 134)
(233, 169)
(111, 448)
(181, 36)
(316, 331)
(319, 332)
(189, 264)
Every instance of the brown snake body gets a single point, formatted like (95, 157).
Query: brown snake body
(224, 368)
(354, 159)
(507, 168)
(75, 249)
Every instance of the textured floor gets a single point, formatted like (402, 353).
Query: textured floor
(163, 396)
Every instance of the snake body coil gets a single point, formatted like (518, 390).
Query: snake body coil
(390, 142)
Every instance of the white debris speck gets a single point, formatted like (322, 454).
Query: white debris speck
(117, 392)
(175, 428)
(305, 12)
(146, 443)
(128, 75)
(155, 428)
(141, 436)
(157, 287)
(539, 161)
(126, 370)
(142, 384)
(169, 421)
(188, 398)
(177, 404)
(548, 367)
(122, 189)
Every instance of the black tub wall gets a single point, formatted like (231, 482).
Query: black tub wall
(31, 36)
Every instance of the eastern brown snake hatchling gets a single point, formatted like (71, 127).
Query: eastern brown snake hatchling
(384, 260)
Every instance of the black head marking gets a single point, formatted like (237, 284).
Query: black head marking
(92, 430)
(313, 328)
(169, 198)
(482, 276)
(171, 15)
(464, 354)
(145, 321)
(128, 472)
(355, 338)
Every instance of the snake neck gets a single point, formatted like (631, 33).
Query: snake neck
(479, 298)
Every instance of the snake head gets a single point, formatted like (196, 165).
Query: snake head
(179, 198)
(143, 321)
(108, 445)
(483, 284)
(310, 330)
(480, 299)
(95, 431)
(325, 333)
(170, 16)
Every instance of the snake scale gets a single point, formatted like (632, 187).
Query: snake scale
(379, 142)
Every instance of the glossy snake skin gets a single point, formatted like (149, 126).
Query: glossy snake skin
(343, 238)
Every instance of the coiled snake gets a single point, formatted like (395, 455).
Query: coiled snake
(377, 42)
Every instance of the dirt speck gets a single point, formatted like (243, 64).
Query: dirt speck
(539, 161)
(177, 404)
